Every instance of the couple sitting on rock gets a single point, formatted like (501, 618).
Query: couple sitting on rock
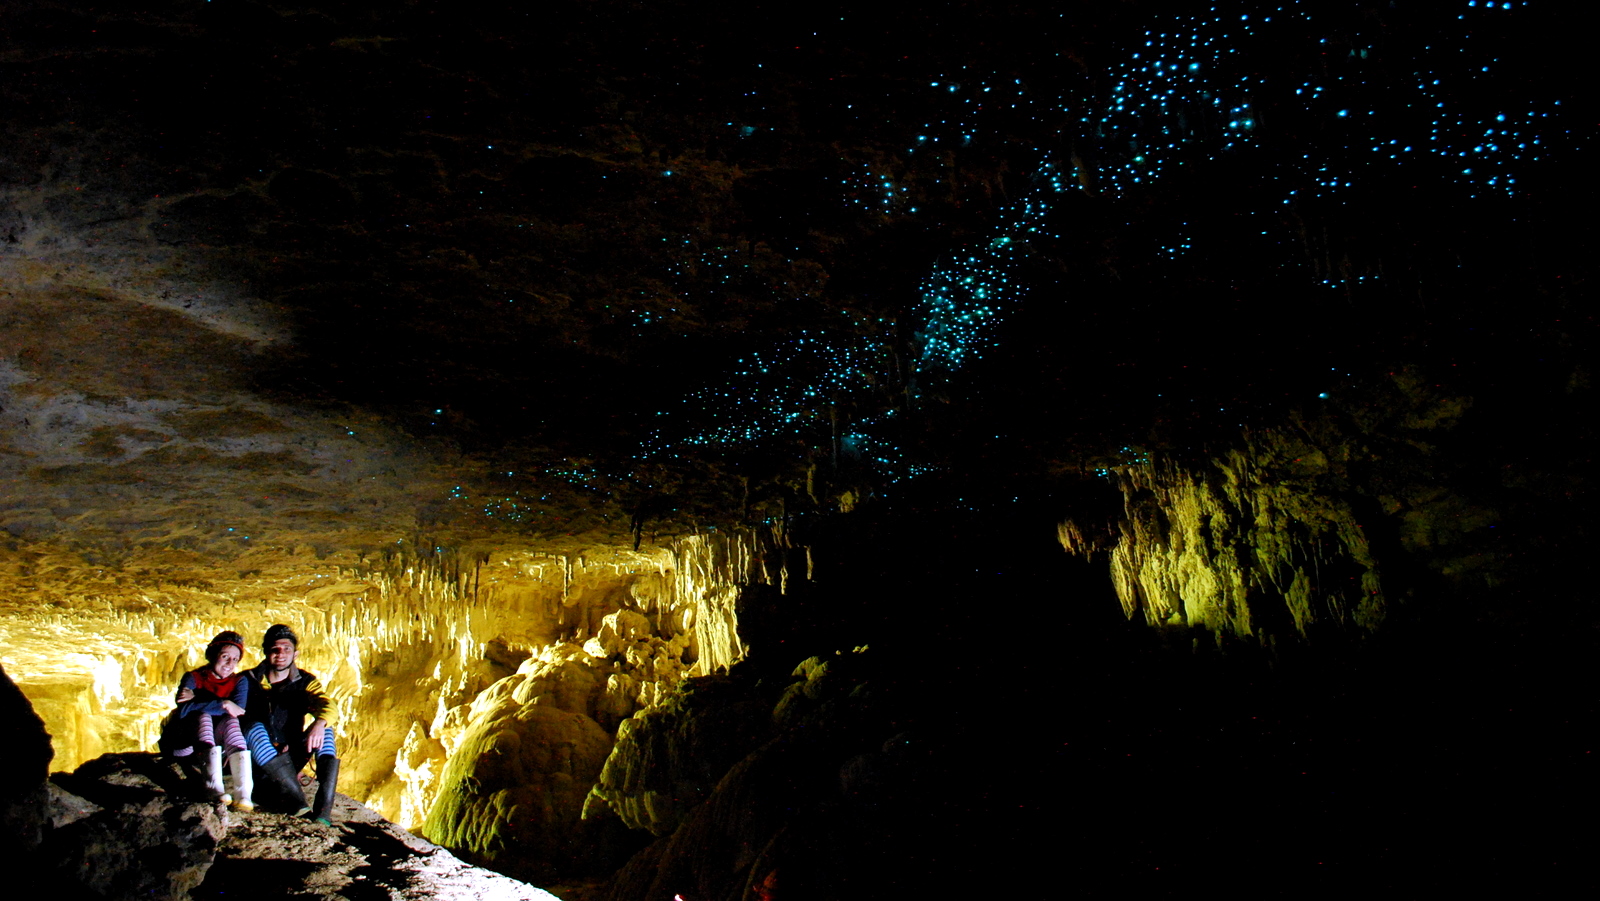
(258, 714)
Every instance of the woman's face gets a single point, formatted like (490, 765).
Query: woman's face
(225, 662)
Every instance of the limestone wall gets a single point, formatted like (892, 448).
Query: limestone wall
(1252, 544)
(1317, 527)
(406, 638)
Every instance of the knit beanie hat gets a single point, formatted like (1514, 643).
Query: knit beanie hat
(223, 639)
(275, 633)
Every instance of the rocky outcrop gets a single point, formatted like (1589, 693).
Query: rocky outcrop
(24, 766)
(755, 783)
(668, 758)
(366, 856)
(127, 826)
(1247, 545)
(504, 778)
(513, 793)
(1297, 531)
(132, 827)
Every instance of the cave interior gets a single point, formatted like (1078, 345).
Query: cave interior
(752, 450)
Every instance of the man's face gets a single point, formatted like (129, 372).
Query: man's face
(280, 654)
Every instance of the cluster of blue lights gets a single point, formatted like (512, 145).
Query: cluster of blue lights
(724, 265)
(1174, 94)
(512, 508)
(865, 188)
(1188, 92)
(965, 296)
(870, 442)
(784, 390)
(1479, 150)
(975, 101)
(1177, 245)
(1126, 456)
(1183, 96)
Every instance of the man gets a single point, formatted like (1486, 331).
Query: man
(282, 696)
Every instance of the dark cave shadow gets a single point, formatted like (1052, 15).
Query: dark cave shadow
(252, 879)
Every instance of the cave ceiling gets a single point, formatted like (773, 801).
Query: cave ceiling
(285, 285)
(533, 358)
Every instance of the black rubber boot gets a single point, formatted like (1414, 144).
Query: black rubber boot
(278, 786)
(327, 783)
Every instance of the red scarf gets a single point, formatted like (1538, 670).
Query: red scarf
(206, 681)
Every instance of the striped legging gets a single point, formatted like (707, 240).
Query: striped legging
(262, 750)
(205, 729)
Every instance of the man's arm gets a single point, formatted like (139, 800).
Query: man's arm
(318, 705)
(318, 708)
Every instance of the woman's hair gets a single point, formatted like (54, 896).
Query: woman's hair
(223, 639)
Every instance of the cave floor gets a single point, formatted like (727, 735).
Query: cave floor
(362, 857)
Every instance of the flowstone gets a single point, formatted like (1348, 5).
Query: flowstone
(512, 794)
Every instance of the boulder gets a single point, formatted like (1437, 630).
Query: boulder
(512, 795)
(668, 757)
(24, 766)
(149, 837)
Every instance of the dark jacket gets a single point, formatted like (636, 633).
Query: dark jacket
(282, 707)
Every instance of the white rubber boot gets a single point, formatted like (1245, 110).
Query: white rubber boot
(214, 774)
(243, 780)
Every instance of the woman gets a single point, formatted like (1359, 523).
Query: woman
(210, 701)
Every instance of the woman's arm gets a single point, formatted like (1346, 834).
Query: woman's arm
(237, 702)
(198, 701)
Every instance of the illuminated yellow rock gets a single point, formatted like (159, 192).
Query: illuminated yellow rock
(512, 793)
(152, 500)
(1252, 544)
(402, 643)
(149, 498)
(569, 695)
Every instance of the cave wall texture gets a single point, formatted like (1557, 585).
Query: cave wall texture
(704, 445)
(1282, 535)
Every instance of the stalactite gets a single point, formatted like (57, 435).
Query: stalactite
(402, 637)
(680, 620)
(1232, 544)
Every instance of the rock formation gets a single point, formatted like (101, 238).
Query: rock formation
(1245, 546)
(670, 756)
(135, 829)
(1314, 528)
(515, 765)
(366, 856)
(125, 826)
(513, 790)
(24, 767)
(756, 783)
(426, 629)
